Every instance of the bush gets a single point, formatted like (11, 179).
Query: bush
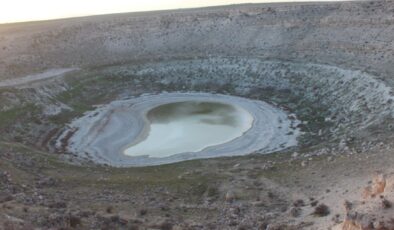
(321, 210)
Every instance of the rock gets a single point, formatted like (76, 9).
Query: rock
(371, 213)
(46, 182)
(347, 205)
(350, 225)
(233, 223)
(109, 209)
(314, 203)
(123, 221)
(235, 211)
(263, 226)
(379, 183)
(143, 212)
(75, 221)
(377, 187)
(295, 212)
(336, 219)
(230, 196)
(299, 203)
(342, 144)
(386, 204)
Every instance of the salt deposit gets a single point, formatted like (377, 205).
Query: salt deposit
(104, 134)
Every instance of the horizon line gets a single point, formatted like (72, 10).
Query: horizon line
(272, 2)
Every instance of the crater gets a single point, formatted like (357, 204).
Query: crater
(302, 94)
(98, 100)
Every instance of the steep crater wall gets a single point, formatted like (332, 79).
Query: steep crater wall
(329, 64)
(350, 100)
(333, 104)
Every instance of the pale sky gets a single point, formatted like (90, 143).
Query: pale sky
(32, 10)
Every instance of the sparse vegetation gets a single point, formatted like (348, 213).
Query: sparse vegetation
(328, 65)
(321, 210)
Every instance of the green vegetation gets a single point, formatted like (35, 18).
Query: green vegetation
(16, 114)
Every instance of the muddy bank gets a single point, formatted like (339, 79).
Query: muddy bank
(103, 134)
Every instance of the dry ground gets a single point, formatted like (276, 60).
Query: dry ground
(250, 192)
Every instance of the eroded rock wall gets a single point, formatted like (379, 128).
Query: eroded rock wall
(352, 35)
(350, 100)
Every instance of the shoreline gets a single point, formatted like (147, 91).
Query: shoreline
(124, 120)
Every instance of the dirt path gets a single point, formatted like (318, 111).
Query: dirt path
(36, 77)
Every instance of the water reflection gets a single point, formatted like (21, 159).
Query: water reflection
(190, 126)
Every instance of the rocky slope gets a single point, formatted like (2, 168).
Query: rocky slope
(351, 35)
